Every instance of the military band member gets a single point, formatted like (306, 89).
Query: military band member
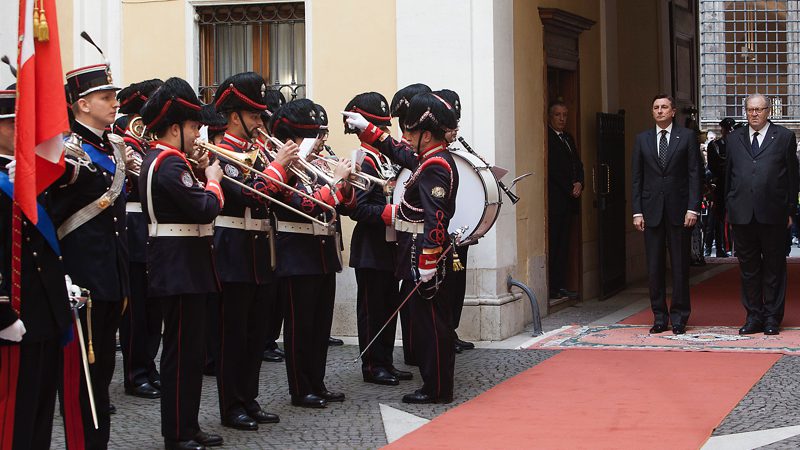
(423, 219)
(44, 315)
(274, 99)
(373, 251)
(87, 205)
(243, 243)
(398, 108)
(140, 329)
(181, 274)
(309, 258)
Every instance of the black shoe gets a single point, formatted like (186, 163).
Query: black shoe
(771, 329)
(464, 344)
(333, 342)
(723, 254)
(751, 328)
(556, 295)
(708, 252)
(279, 351)
(419, 397)
(208, 439)
(329, 396)
(659, 328)
(379, 375)
(271, 356)
(457, 348)
(679, 329)
(144, 390)
(572, 295)
(262, 416)
(183, 445)
(401, 374)
(112, 409)
(240, 422)
(309, 401)
(156, 384)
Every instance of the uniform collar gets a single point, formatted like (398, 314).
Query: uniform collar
(430, 151)
(235, 142)
(90, 135)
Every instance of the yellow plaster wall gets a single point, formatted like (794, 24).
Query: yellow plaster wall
(66, 37)
(154, 40)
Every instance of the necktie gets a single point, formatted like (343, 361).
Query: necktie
(754, 145)
(662, 149)
(564, 140)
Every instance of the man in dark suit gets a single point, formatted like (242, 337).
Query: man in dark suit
(762, 174)
(564, 187)
(667, 174)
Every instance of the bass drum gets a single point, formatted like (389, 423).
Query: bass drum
(478, 199)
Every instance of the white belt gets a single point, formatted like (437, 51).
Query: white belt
(180, 230)
(134, 207)
(241, 223)
(305, 228)
(409, 227)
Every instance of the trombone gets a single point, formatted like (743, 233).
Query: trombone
(358, 178)
(245, 161)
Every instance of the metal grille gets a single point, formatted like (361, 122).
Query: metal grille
(268, 39)
(749, 47)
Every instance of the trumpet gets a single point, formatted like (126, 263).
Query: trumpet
(138, 129)
(307, 172)
(245, 161)
(358, 178)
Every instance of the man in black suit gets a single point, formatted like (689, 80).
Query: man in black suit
(564, 187)
(667, 173)
(762, 174)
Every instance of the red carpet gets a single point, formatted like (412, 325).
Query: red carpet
(717, 301)
(601, 399)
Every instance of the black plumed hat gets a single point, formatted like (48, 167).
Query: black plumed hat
(296, 119)
(132, 98)
(430, 112)
(452, 98)
(322, 116)
(174, 102)
(373, 106)
(215, 121)
(402, 99)
(241, 92)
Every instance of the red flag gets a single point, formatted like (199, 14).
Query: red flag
(41, 105)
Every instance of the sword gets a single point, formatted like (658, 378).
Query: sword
(78, 298)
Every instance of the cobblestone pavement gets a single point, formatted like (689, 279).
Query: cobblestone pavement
(356, 423)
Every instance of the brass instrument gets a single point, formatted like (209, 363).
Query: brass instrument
(119, 143)
(245, 162)
(358, 178)
(308, 173)
(138, 129)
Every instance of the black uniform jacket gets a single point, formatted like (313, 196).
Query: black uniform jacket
(666, 193)
(136, 221)
(429, 198)
(179, 265)
(307, 254)
(762, 186)
(96, 253)
(243, 256)
(373, 213)
(564, 168)
(44, 305)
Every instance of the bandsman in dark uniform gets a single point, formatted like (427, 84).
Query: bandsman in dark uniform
(373, 250)
(309, 258)
(274, 99)
(180, 263)
(87, 205)
(398, 108)
(140, 329)
(44, 314)
(244, 245)
(423, 240)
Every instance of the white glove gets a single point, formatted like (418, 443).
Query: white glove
(73, 290)
(426, 275)
(13, 332)
(355, 120)
(12, 170)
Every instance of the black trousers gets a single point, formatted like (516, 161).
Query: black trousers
(405, 325)
(140, 331)
(657, 241)
(761, 249)
(432, 333)
(212, 331)
(105, 321)
(559, 227)
(274, 320)
(182, 360)
(308, 315)
(457, 287)
(242, 314)
(39, 374)
(378, 297)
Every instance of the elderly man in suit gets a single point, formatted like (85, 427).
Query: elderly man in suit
(667, 175)
(762, 174)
